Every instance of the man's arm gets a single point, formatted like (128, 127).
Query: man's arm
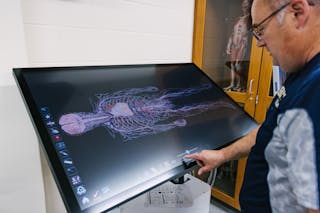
(313, 211)
(211, 159)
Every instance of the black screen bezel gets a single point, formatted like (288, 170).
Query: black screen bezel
(55, 165)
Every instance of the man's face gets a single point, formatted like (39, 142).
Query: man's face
(273, 32)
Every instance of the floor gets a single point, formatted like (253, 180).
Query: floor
(219, 207)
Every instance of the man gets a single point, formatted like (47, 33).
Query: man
(283, 167)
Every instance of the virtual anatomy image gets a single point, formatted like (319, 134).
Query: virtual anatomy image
(137, 112)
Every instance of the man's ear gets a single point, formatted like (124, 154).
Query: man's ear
(301, 11)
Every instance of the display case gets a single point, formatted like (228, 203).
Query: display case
(225, 50)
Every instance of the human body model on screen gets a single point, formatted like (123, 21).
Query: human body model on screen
(138, 112)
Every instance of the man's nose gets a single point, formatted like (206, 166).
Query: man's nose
(261, 43)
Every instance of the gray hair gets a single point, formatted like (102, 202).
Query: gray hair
(274, 4)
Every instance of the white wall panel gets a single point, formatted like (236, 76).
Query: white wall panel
(12, 44)
(53, 45)
(82, 32)
(21, 182)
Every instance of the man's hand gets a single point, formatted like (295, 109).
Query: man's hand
(211, 159)
(207, 159)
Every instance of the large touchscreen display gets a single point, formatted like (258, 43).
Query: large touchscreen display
(113, 132)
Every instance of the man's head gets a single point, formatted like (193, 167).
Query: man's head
(288, 29)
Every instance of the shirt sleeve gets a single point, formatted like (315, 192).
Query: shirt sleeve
(302, 158)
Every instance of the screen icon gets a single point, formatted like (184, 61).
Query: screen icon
(46, 115)
(54, 131)
(60, 145)
(64, 153)
(75, 180)
(68, 162)
(85, 200)
(57, 138)
(105, 190)
(71, 170)
(81, 190)
(50, 123)
(44, 109)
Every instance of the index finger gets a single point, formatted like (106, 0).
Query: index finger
(194, 156)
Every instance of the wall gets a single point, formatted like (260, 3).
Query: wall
(12, 43)
(21, 183)
(67, 33)
(82, 32)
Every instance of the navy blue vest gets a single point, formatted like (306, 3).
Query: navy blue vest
(302, 91)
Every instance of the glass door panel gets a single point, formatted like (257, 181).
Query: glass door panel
(225, 50)
(227, 43)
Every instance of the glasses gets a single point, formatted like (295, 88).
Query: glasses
(257, 31)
